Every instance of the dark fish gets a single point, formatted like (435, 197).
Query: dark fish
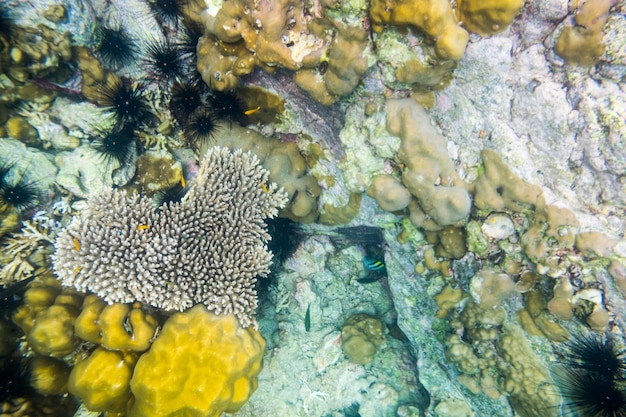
(11, 296)
(307, 318)
(357, 235)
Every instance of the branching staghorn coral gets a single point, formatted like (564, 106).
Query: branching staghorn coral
(207, 249)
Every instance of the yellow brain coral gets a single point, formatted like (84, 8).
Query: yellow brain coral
(202, 364)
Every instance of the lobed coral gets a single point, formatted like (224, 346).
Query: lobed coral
(435, 18)
(487, 17)
(582, 43)
(361, 336)
(440, 197)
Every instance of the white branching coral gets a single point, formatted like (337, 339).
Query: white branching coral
(209, 248)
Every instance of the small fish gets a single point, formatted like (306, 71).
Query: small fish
(76, 244)
(143, 227)
(307, 318)
(182, 181)
(375, 270)
(264, 188)
(372, 264)
(252, 111)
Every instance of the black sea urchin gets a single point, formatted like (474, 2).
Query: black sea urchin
(167, 11)
(226, 105)
(116, 144)
(591, 377)
(588, 394)
(18, 196)
(115, 47)
(125, 102)
(191, 34)
(171, 195)
(164, 61)
(199, 128)
(185, 99)
(596, 353)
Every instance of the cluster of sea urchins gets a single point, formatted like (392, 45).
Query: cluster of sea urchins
(171, 65)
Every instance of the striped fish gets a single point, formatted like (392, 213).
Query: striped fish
(372, 264)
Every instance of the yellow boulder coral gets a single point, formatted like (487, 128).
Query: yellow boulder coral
(53, 332)
(102, 380)
(48, 375)
(487, 17)
(433, 17)
(202, 364)
(361, 336)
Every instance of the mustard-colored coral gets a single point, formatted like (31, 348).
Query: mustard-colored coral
(157, 171)
(53, 332)
(244, 34)
(337, 79)
(487, 17)
(490, 288)
(496, 359)
(48, 375)
(47, 318)
(361, 336)
(202, 364)
(126, 328)
(429, 174)
(582, 43)
(389, 193)
(433, 17)
(87, 324)
(102, 380)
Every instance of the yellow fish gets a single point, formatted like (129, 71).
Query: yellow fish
(143, 227)
(252, 111)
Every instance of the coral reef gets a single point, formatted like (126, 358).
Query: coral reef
(581, 43)
(102, 380)
(481, 168)
(124, 250)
